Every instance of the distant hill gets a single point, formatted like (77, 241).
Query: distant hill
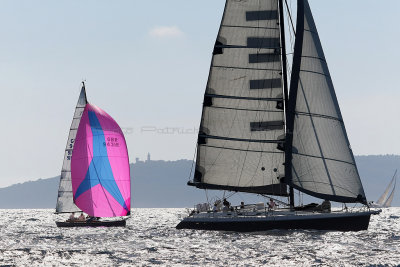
(162, 184)
(156, 184)
(30, 195)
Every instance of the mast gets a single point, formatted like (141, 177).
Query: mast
(290, 108)
(84, 90)
(285, 78)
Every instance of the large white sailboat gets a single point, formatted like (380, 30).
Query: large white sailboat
(257, 138)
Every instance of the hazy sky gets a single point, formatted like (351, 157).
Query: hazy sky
(146, 63)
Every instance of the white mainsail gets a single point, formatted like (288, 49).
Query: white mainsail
(65, 202)
(240, 144)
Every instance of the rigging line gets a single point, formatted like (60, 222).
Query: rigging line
(290, 17)
(194, 155)
(108, 201)
(231, 194)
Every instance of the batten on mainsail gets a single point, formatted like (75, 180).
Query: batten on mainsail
(240, 144)
(319, 159)
(65, 196)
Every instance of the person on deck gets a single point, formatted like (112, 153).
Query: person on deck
(81, 217)
(226, 203)
(72, 217)
(326, 206)
(215, 208)
(225, 209)
(241, 205)
(271, 204)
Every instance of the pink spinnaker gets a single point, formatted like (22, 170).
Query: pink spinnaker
(100, 171)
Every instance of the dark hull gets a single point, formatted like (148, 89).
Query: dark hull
(348, 222)
(120, 223)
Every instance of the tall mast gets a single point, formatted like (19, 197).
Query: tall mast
(84, 90)
(285, 78)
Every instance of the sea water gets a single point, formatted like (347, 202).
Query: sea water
(30, 237)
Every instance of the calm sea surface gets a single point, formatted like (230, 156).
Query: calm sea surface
(30, 237)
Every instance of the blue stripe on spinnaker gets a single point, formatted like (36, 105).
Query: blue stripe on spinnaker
(99, 171)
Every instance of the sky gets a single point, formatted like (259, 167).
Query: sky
(146, 63)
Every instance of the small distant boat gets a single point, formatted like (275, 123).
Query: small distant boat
(258, 137)
(385, 201)
(95, 176)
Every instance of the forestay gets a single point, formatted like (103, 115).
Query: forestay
(242, 122)
(320, 160)
(65, 196)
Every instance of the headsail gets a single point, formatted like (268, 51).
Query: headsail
(240, 144)
(385, 194)
(65, 197)
(100, 166)
(388, 202)
(319, 159)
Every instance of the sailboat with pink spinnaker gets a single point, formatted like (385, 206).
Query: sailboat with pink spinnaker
(95, 178)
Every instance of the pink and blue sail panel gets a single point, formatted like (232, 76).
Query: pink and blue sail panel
(100, 171)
